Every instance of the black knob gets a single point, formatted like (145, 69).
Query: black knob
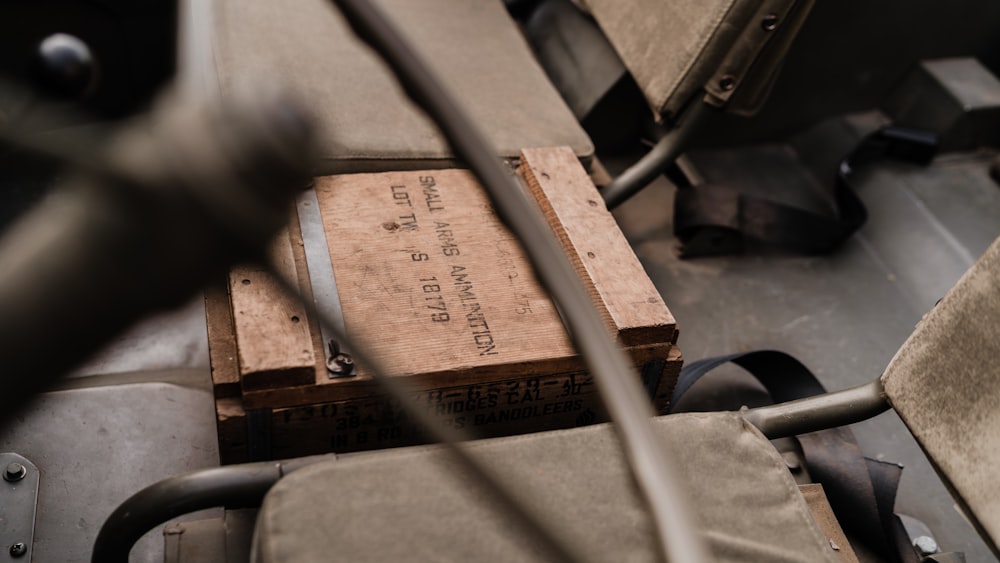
(65, 66)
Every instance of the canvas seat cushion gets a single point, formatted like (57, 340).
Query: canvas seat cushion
(407, 505)
(367, 122)
(945, 385)
(679, 49)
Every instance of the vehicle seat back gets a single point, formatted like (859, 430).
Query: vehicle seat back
(730, 49)
(945, 384)
(367, 122)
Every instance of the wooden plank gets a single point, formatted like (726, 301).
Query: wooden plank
(364, 386)
(305, 287)
(430, 279)
(221, 340)
(631, 303)
(273, 340)
(499, 407)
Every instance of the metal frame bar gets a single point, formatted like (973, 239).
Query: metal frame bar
(235, 486)
(820, 412)
(666, 150)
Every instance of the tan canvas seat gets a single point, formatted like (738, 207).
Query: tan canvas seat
(675, 50)
(687, 55)
(408, 506)
(368, 123)
(945, 385)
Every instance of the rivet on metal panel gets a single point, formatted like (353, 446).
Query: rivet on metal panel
(19, 549)
(769, 23)
(14, 472)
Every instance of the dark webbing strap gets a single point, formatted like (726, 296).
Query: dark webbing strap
(728, 214)
(861, 491)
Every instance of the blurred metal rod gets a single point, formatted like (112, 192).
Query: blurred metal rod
(140, 229)
(617, 382)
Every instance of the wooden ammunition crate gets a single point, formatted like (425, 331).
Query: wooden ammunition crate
(437, 289)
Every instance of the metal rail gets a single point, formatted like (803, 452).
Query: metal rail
(235, 486)
(821, 411)
(653, 163)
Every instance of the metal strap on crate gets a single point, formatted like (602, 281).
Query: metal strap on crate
(323, 281)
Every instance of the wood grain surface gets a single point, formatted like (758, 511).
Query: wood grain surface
(428, 276)
(622, 291)
(273, 339)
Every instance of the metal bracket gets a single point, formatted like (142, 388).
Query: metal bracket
(18, 500)
(323, 282)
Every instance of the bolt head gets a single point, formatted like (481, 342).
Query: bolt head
(19, 549)
(14, 472)
(925, 545)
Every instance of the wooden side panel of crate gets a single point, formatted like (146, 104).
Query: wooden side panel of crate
(365, 386)
(273, 339)
(498, 408)
(603, 257)
(221, 340)
(305, 288)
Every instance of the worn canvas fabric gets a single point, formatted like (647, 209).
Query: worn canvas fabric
(412, 505)
(678, 50)
(368, 123)
(945, 384)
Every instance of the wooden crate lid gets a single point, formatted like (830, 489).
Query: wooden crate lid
(439, 289)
